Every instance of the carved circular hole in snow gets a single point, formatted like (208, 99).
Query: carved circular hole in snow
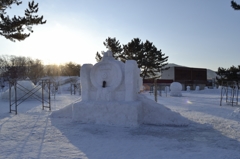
(109, 72)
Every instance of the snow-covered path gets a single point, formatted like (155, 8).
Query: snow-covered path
(213, 133)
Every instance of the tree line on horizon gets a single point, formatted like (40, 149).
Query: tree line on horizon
(226, 75)
(20, 67)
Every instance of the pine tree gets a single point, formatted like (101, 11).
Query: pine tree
(98, 57)
(113, 45)
(150, 60)
(14, 28)
(222, 76)
(235, 5)
(234, 74)
(228, 75)
(134, 51)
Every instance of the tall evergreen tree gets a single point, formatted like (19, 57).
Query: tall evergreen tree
(150, 60)
(222, 75)
(113, 45)
(228, 75)
(235, 5)
(234, 74)
(133, 51)
(14, 28)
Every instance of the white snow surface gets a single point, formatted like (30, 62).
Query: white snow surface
(213, 132)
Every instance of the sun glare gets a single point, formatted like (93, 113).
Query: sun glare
(189, 102)
(62, 45)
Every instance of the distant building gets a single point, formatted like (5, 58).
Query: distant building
(187, 76)
(162, 83)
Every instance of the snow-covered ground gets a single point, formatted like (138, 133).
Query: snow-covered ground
(214, 132)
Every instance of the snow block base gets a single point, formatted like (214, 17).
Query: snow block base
(114, 113)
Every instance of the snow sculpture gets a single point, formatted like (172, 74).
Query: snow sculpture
(176, 89)
(197, 88)
(110, 80)
(188, 88)
(110, 97)
(109, 92)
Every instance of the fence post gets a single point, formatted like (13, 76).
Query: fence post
(155, 90)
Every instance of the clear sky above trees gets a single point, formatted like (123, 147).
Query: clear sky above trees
(192, 33)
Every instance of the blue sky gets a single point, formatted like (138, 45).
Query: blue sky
(194, 33)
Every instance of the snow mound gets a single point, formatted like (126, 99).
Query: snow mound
(65, 112)
(157, 114)
(25, 89)
(176, 89)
